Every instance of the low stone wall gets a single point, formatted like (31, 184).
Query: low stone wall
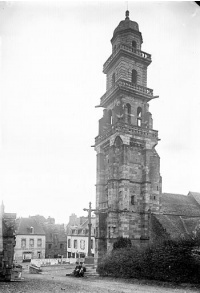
(53, 261)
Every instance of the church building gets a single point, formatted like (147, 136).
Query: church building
(129, 199)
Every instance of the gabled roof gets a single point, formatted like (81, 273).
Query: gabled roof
(83, 228)
(195, 195)
(24, 227)
(85, 224)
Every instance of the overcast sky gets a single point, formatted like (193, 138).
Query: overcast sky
(52, 55)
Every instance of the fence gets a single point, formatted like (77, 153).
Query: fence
(54, 261)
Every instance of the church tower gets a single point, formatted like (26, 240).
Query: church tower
(128, 186)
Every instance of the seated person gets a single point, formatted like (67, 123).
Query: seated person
(82, 270)
(76, 270)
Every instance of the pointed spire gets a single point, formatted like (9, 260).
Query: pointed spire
(127, 14)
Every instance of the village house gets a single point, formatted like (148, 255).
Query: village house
(77, 237)
(30, 240)
(56, 238)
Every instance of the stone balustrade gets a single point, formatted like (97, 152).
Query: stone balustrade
(124, 84)
(128, 129)
(135, 86)
(124, 47)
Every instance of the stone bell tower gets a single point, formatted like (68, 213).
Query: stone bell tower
(128, 186)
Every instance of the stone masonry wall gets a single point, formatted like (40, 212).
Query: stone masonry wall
(123, 70)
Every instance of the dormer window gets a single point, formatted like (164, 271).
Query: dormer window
(134, 76)
(30, 230)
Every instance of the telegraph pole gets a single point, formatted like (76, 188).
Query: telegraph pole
(90, 210)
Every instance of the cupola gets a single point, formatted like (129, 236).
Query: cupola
(126, 26)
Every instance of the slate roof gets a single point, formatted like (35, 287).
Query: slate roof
(127, 25)
(180, 214)
(195, 195)
(179, 204)
(24, 225)
(55, 229)
(83, 228)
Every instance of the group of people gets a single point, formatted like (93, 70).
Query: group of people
(79, 270)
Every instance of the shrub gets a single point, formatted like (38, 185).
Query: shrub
(122, 243)
(168, 261)
(120, 263)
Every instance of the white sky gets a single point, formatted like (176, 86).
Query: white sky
(52, 55)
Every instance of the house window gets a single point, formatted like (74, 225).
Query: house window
(134, 76)
(139, 116)
(69, 243)
(133, 199)
(39, 242)
(23, 243)
(31, 230)
(82, 244)
(75, 243)
(49, 246)
(31, 242)
(61, 245)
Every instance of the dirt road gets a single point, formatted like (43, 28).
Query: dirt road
(56, 281)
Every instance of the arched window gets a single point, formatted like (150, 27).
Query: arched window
(113, 79)
(139, 116)
(134, 46)
(128, 106)
(134, 76)
(118, 141)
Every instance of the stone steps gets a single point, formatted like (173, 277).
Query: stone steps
(91, 271)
